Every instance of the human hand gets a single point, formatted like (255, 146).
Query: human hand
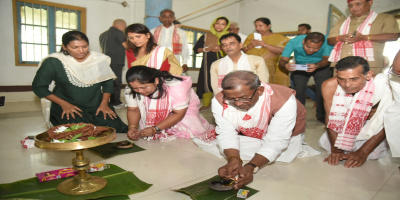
(133, 133)
(355, 159)
(214, 48)
(106, 111)
(69, 109)
(245, 177)
(311, 67)
(184, 68)
(230, 170)
(350, 38)
(290, 67)
(149, 131)
(335, 157)
(262, 43)
(253, 44)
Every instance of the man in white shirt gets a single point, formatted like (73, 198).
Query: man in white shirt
(234, 28)
(172, 37)
(363, 113)
(235, 60)
(258, 122)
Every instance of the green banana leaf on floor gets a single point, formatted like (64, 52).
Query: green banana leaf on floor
(120, 183)
(202, 191)
(109, 150)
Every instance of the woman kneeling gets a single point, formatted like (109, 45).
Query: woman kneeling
(164, 106)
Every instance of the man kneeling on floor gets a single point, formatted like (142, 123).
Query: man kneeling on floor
(258, 122)
(356, 103)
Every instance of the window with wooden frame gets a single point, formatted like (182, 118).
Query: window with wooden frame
(192, 35)
(39, 26)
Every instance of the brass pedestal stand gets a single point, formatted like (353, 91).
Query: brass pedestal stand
(82, 183)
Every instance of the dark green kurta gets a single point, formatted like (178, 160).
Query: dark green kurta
(87, 99)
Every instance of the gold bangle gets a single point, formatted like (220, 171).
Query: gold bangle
(369, 38)
(132, 126)
(155, 130)
(230, 157)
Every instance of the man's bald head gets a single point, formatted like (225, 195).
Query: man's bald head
(120, 24)
(239, 78)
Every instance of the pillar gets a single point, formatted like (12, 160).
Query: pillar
(153, 9)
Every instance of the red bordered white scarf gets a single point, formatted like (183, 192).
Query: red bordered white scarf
(176, 39)
(155, 111)
(254, 122)
(361, 48)
(349, 113)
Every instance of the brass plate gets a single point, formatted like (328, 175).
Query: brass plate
(104, 138)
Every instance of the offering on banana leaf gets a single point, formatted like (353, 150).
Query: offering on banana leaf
(74, 132)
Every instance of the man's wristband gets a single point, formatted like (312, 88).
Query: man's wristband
(204, 50)
(230, 157)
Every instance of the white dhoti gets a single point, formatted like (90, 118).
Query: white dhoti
(297, 148)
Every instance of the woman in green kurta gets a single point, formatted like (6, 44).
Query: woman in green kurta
(83, 84)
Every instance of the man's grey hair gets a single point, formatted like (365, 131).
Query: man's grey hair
(240, 78)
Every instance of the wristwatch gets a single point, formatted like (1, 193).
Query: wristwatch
(255, 168)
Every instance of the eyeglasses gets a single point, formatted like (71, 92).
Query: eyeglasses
(359, 4)
(247, 100)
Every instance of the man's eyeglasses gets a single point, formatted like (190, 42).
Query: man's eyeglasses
(247, 100)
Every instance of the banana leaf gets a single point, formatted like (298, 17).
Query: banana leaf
(119, 184)
(201, 191)
(109, 150)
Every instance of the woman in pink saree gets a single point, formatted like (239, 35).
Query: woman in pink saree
(163, 106)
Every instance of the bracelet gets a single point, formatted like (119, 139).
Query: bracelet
(158, 130)
(204, 50)
(337, 38)
(369, 38)
(230, 157)
(132, 126)
(155, 130)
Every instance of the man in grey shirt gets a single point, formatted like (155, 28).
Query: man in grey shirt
(113, 44)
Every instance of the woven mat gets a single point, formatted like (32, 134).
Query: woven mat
(201, 191)
(109, 150)
(120, 183)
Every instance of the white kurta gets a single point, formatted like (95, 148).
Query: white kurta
(166, 41)
(276, 145)
(386, 116)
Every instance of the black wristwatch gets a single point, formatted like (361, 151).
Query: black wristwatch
(158, 130)
(255, 168)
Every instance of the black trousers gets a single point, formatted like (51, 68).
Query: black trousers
(115, 97)
(300, 79)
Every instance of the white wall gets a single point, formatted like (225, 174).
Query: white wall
(285, 16)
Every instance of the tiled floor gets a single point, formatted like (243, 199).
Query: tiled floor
(180, 163)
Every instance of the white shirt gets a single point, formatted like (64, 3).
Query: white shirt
(166, 41)
(273, 143)
(242, 37)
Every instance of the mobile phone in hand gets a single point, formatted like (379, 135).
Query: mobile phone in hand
(301, 67)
